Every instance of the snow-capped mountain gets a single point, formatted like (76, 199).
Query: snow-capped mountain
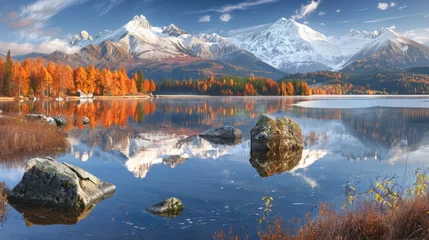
(293, 47)
(389, 50)
(285, 46)
(138, 45)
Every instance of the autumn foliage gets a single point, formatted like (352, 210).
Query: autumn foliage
(235, 86)
(33, 77)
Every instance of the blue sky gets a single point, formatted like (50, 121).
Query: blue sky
(26, 23)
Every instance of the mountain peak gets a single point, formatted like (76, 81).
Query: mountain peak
(172, 30)
(82, 38)
(285, 21)
(140, 21)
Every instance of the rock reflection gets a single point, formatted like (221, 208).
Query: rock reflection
(41, 215)
(270, 163)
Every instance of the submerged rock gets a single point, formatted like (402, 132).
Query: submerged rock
(56, 184)
(223, 141)
(171, 207)
(276, 134)
(225, 132)
(85, 120)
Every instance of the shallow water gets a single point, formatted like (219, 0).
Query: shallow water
(150, 150)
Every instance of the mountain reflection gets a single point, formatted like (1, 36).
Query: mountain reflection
(142, 133)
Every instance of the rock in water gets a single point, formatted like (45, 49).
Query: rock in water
(85, 120)
(171, 207)
(60, 121)
(276, 134)
(226, 132)
(56, 184)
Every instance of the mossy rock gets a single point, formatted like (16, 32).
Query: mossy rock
(276, 134)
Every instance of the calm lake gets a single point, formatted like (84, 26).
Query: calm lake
(150, 150)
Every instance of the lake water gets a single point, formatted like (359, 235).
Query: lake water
(150, 150)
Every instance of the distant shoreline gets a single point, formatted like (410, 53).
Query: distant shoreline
(9, 99)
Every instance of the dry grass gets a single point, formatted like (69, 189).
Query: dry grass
(22, 138)
(410, 221)
(381, 213)
(3, 202)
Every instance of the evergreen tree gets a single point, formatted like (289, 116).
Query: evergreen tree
(140, 80)
(8, 81)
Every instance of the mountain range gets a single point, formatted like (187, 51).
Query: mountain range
(283, 47)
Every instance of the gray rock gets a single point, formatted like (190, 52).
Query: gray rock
(276, 135)
(85, 120)
(60, 121)
(225, 132)
(50, 121)
(35, 117)
(171, 207)
(58, 184)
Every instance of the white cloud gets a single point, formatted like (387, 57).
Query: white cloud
(104, 7)
(402, 7)
(427, 15)
(240, 31)
(338, 10)
(30, 22)
(45, 48)
(205, 18)
(363, 9)
(226, 17)
(383, 6)
(420, 35)
(323, 24)
(239, 6)
(391, 18)
(322, 13)
(306, 9)
(306, 23)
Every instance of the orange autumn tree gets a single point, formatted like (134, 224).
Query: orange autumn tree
(152, 86)
(146, 86)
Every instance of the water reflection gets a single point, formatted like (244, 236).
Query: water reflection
(269, 163)
(136, 143)
(42, 215)
(143, 133)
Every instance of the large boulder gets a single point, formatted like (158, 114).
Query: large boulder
(276, 134)
(225, 132)
(56, 184)
(171, 207)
